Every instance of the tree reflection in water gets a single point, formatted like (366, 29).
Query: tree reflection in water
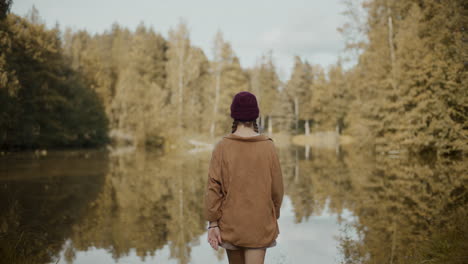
(148, 201)
(41, 198)
(409, 210)
(143, 202)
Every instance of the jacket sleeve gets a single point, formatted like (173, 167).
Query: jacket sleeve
(277, 191)
(214, 195)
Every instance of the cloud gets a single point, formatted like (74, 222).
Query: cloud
(310, 34)
(307, 36)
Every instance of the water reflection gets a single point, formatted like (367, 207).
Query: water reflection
(41, 198)
(409, 210)
(148, 201)
(341, 207)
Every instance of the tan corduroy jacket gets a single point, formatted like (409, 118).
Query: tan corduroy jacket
(245, 190)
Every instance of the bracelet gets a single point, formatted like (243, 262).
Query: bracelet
(212, 227)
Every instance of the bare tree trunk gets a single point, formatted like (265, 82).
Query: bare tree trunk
(296, 167)
(218, 63)
(337, 139)
(215, 107)
(296, 112)
(270, 125)
(392, 254)
(390, 39)
(262, 122)
(184, 59)
(140, 131)
(307, 127)
(391, 46)
(180, 93)
(307, 151)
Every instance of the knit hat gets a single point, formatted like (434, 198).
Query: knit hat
(244, 107)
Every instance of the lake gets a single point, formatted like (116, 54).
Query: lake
(340, 206)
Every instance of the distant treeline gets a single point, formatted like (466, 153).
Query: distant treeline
(407, 92)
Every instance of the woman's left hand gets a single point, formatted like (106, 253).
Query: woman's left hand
(214, 237)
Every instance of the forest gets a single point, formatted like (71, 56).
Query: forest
(73, 95)
(70, 88)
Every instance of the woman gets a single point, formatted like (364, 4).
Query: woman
(244, 188)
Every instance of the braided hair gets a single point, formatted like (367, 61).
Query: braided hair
(245, 123)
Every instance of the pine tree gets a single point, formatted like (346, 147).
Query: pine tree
(140, 99)
(339, 96)
(228, 78)
(180, 69)
(5, 6)
(299, 87)
(234, 80)
(264, 82)
(407, 86)
(320, 101)
(197, 87)
(48, 105)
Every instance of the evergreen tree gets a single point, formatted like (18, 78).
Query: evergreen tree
(140, 100)
(410, 95)
(5, 6)
(299, 87)
(265, 85)
(45, 102)
(228, 78)
(197, 87)
(339, 96)
(320, 101)
(180, 70)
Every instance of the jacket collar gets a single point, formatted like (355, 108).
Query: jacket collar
(260, 137)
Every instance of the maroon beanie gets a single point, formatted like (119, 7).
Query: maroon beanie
(244, 107)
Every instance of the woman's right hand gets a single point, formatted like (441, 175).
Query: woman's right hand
(214, 237)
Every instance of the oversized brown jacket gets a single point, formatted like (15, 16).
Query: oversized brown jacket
(244, 190)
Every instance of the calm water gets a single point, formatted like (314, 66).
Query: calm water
(144, 207)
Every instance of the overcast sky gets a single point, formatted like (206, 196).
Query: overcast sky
(294, 27)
